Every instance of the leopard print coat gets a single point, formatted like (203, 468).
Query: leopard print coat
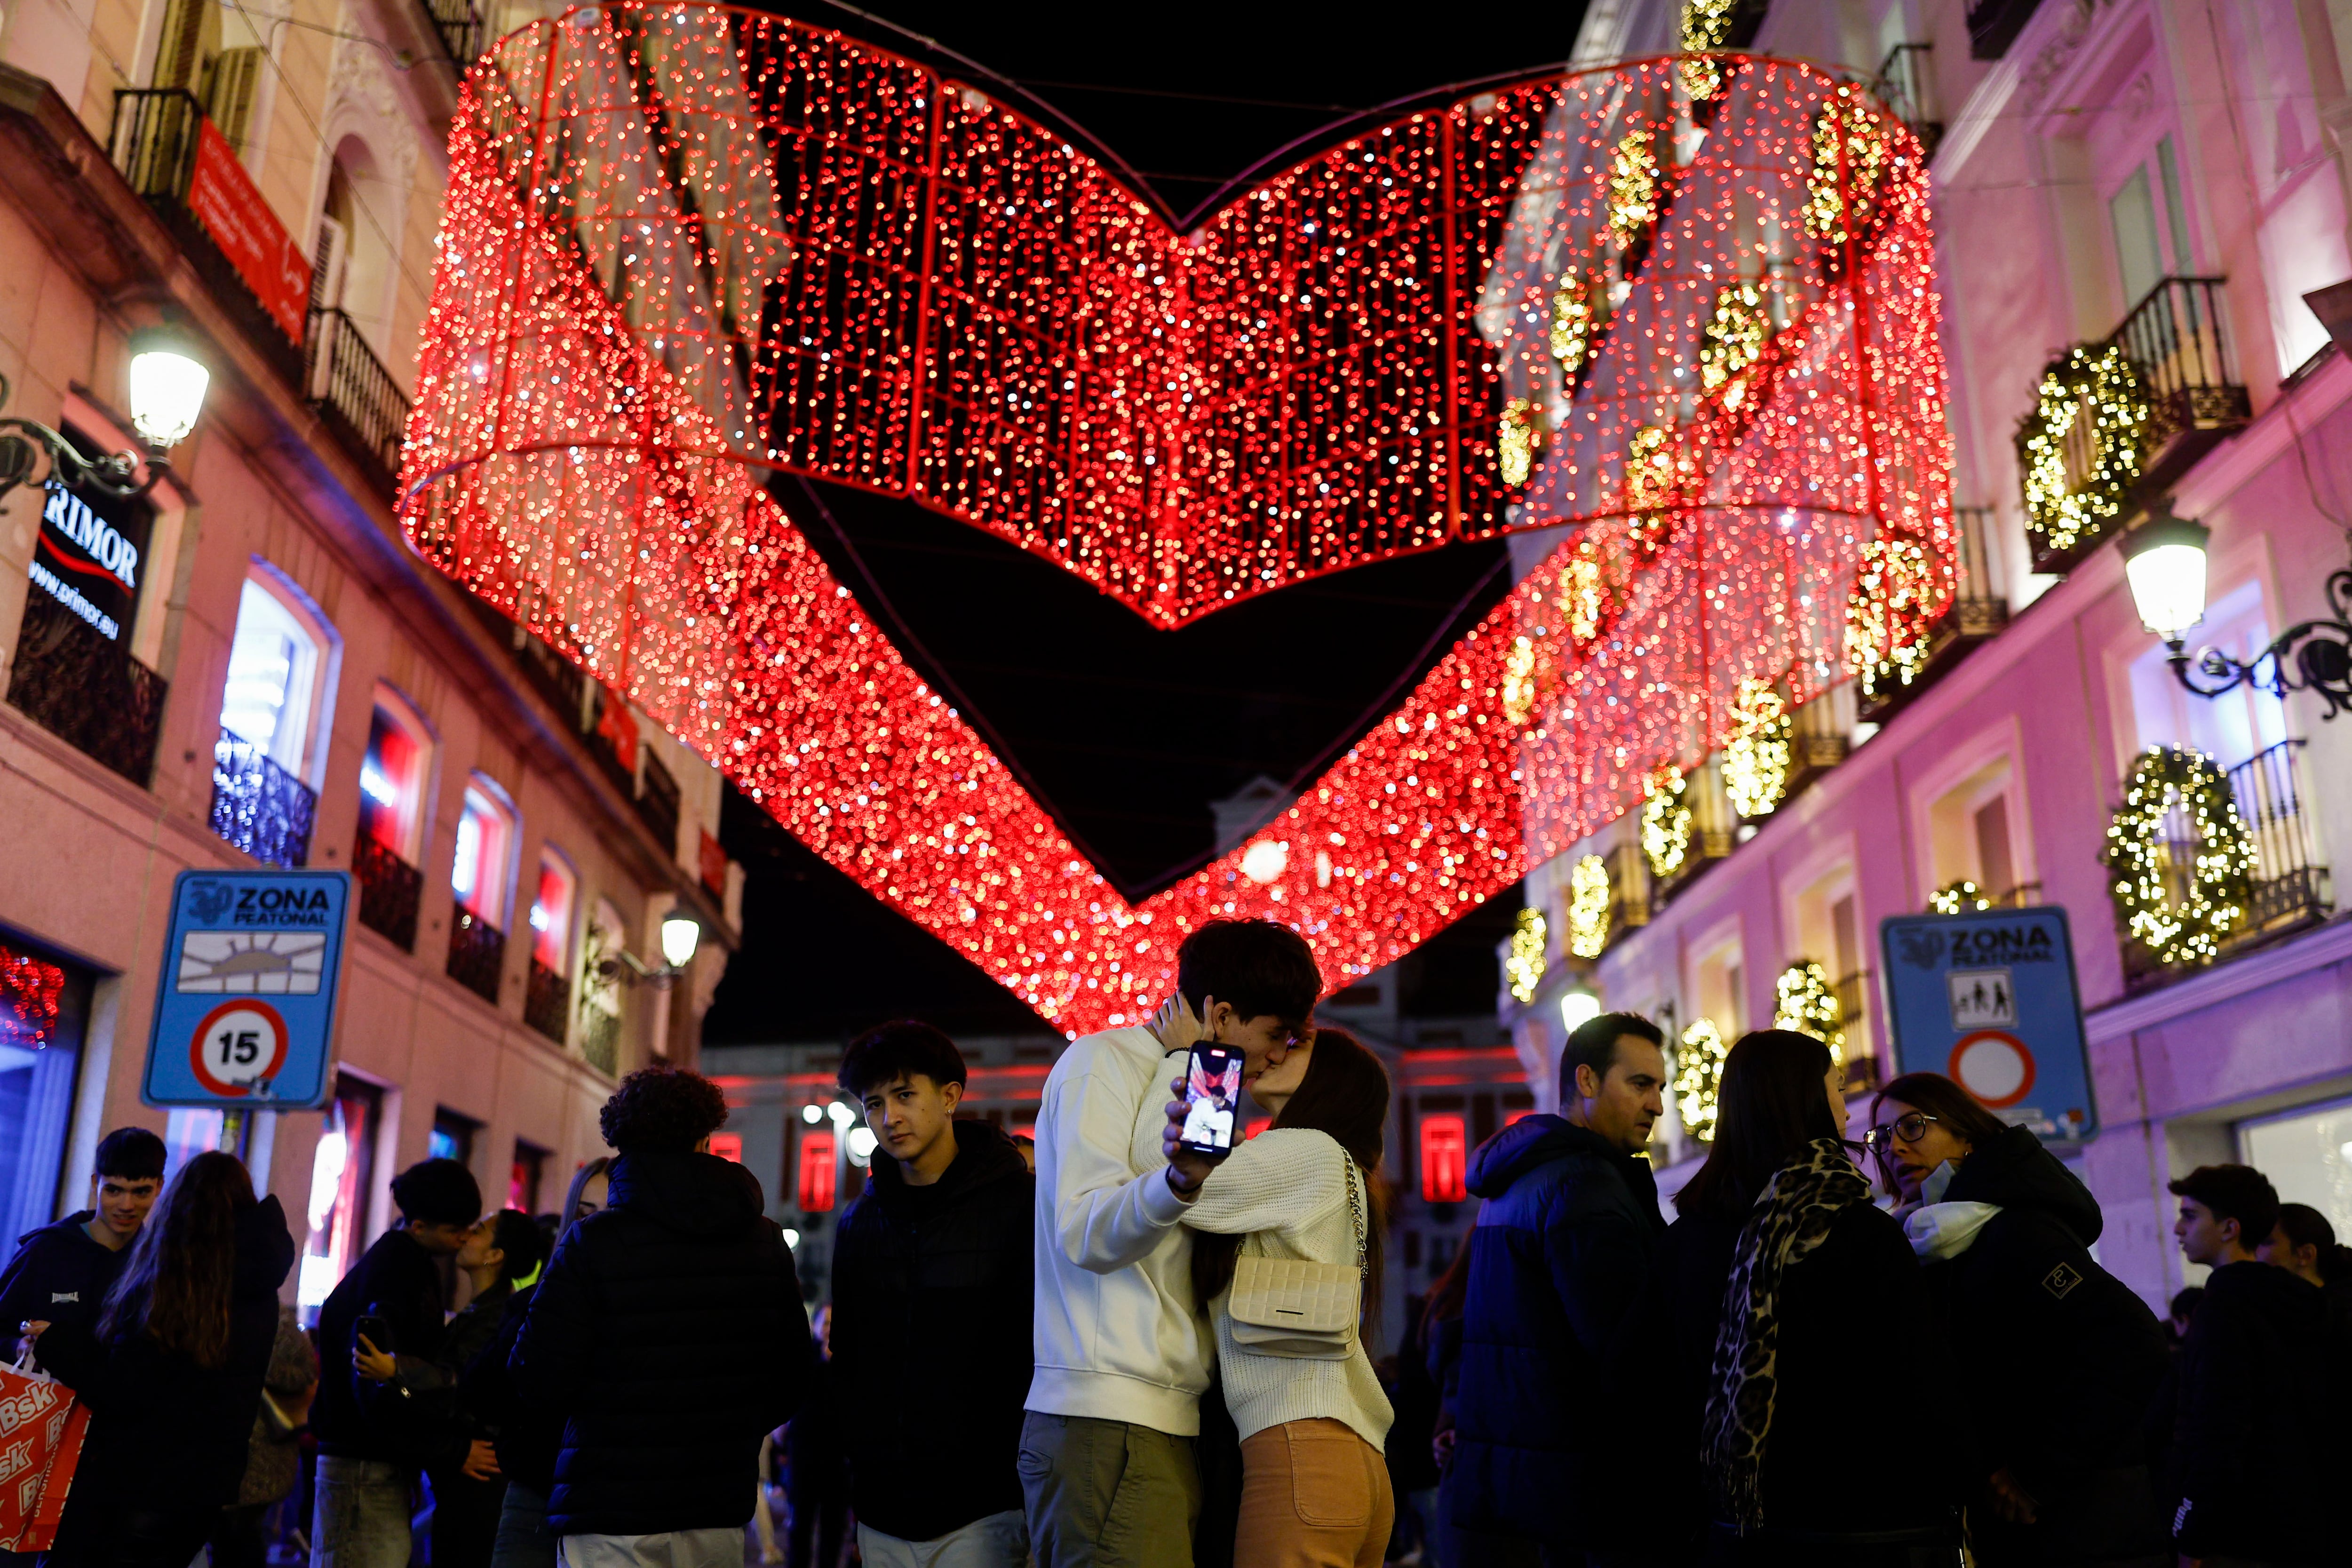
(1791, 1219)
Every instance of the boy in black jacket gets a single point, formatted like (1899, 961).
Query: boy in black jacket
(669, 1334)
(935, 1255)
(62, 1271)
(370, 1439)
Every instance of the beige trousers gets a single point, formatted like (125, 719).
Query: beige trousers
(1314, 1495)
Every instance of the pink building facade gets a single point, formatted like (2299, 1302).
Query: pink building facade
(2166, 179)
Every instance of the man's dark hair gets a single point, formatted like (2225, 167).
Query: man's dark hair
(1254, 965)
(437, 1192)
(1594, 1045)
(662, 1108)
(2235, 1192)
(904, 1047)
(133, 1153)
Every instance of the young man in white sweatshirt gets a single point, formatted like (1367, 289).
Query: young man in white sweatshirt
(1122, 1353)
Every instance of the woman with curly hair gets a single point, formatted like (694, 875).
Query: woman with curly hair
(172, 1367)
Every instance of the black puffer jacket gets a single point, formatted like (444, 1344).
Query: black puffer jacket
(353, 1417)
(2062, 1360)
(947, 1265)
(145, 1402)
(1558, 1257)
(669, 1334)
(2258, 1451)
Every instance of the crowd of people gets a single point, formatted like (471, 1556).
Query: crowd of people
(1133, 1353)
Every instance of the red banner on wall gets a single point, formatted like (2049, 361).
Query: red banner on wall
(223, 198)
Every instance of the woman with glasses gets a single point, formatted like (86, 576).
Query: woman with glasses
(2063, 1359)
(1783, 1290)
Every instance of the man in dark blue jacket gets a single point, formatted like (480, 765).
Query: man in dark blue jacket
(62, 1271)
(1558, 1259)
(669, 1334)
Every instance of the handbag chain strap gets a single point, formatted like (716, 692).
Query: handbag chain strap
(1355, 1213)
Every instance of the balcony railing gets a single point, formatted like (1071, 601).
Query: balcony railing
(2291, 889)
(349, 385)
(2176, 339)
(1907, 86)
(153, 142)
(259, 806)
(1978, 609)
(477, 954)
(547, 1001)
(80, 686)
(463, 31)
(659, 804)
(600, 1037)
(390, 890)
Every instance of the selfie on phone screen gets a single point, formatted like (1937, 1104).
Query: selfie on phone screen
(1212, 1091)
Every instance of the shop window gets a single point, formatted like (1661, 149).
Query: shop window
(43, 1007)
(551, 912)
(524, 1177)
(478, 872)
(1443, 1151)
(2307, 1155)
(343, 1175)
(392, 779)
(274, 698)
(452, 1137)
(818, 1172)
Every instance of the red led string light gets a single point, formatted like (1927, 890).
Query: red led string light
(684, 245)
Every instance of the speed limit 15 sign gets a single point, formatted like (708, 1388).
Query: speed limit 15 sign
(245, 1008)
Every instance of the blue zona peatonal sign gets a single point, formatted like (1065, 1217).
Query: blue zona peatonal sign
(1988, 999)
(245, 1007)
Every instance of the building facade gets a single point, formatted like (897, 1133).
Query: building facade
(2155, 194)
(247, 666)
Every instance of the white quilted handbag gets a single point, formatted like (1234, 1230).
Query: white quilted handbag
(1289, 1307)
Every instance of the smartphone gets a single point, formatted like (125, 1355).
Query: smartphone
(1213, 1095)
(377, 1331)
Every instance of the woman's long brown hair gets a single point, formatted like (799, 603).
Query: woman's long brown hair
(1346, 1095)
(174, 1286)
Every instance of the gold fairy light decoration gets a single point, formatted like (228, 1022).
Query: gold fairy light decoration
(1698, 1074)
(1756, 759)
(1587, 906)
(1806, 1001)
(1665, 823)
(1524, 969)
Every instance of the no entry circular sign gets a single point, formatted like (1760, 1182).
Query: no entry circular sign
(239, 1045)
(1994, 1066)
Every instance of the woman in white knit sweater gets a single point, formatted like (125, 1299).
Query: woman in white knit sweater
(1315, 1486)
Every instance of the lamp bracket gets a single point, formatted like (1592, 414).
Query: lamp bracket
(2313, 656)
(27, 440)
(630, 970)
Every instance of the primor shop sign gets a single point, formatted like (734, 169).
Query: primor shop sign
(90, 556)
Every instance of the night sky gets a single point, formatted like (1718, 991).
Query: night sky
(1124, 732)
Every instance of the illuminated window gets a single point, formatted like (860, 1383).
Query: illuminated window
(452, 1137)
(478, 871)
(818, 1172)
(391, 779)
(42, 1007)
(341, 1172)
(523, 1178)
(551, 912)
(1443, 1152)
(271, 695)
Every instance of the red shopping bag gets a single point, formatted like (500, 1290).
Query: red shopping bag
(41, 1427)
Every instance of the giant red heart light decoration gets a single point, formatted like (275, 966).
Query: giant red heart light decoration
(1684, 307)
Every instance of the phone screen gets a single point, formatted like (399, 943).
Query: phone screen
(1212, 1094)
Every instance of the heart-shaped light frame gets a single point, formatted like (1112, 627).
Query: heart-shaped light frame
(1684, 305)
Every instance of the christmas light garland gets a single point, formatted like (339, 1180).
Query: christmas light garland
(686, 245)
(1958, 898)
(2217, 849)
(1665, 823)
(1523, 971)
(1805, 1001)
(1698, 1078)
(2102, 389)
(1757, 758)
(1587, 906)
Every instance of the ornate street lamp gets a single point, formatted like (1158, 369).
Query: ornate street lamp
(167, 394)
(681, 934)
(2164, 559)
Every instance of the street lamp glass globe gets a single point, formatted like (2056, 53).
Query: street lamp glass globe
(167, 388)
(812, 1114)
(1577, 1008)
(2165, 561)
(681, 934)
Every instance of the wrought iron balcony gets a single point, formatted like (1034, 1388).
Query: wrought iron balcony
(259, 806)
(390, 891)
(360, 402)
(153, 142)
(546, 1002)
(2291, 888)
(477, 954)
(658, 803)
(600, 1038)
(2177, 340)
(80, 686)
(464, 32)
(1906, 84)
(1980, 608)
